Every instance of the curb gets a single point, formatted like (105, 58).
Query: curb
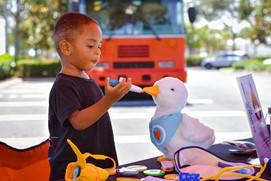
(10, 82)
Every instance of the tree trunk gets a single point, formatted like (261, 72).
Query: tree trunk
(233, 41)
(255, 46)
(207, 47)
(17, 30)
(6, 27)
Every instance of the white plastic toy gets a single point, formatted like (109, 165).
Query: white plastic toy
(170, 129)
(134, 88)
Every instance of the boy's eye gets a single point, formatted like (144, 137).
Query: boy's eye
(91, 46)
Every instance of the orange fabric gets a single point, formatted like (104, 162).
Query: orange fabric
(24, 164)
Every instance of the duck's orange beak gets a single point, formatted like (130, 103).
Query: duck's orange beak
(153, 91)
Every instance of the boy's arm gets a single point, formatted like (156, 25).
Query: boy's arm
(81, 120)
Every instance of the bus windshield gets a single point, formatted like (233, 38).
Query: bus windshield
(138, 17)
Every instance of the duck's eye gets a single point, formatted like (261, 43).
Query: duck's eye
(172, 89)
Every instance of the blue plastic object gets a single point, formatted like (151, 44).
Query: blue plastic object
(76, 172)
(189, 177)
(113, 82)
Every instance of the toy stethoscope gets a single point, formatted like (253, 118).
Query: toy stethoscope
(208, 166)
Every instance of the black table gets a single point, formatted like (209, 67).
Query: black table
(219, 149)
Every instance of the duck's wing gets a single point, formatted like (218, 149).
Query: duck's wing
(195, 131)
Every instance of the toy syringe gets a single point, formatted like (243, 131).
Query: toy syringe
(133, 88)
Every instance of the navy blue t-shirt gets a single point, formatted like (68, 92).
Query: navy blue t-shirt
(67, 95)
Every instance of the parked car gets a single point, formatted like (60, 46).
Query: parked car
(223, 60)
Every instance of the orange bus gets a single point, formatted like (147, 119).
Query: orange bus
(142, 39)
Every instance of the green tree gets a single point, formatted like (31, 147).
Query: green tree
(257, 14)
(37, 27)
(204, 37)
(34, 21)
(193, 38)
(4, 13)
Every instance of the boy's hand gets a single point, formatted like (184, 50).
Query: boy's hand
(114, 94)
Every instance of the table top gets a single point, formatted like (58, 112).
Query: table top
(220, 150)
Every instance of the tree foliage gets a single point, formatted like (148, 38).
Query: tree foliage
(1, 7)
(33, 22)
(38, 25)
(226, 11)
(257, 13)
(204, 37)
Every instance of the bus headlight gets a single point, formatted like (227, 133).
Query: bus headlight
(166, 64)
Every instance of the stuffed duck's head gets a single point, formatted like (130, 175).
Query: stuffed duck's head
(168, 92)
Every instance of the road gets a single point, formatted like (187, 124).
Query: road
(214, 98)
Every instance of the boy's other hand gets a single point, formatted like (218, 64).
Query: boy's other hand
(114, 94)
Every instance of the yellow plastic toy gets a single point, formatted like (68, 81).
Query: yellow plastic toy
(83, 171)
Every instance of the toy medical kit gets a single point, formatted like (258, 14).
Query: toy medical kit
(139, 168)
(169, 128)
(127, 179)
(81, 170)
(133, 88)
(171, 176)
(126, 171)
(196, 160)
(241, 147)
(151, 178)
(154, 172)
(167, 166)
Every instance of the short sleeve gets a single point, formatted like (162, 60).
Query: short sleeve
(65, 100)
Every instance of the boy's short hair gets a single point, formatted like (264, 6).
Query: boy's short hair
(69, 25)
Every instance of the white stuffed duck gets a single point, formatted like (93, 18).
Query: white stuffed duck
(170, 129)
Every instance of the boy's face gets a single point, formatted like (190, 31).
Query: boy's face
(86, 47)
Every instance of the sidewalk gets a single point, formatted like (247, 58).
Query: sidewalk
(9, 82)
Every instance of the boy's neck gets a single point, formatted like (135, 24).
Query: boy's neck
(74, 72)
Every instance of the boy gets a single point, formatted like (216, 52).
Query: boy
(77, 107)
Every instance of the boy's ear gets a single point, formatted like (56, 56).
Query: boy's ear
(65, 47)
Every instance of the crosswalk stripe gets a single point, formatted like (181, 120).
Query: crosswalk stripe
(24, 142)
(222, 113)
(127, 115)
(23, 96)
(24, 104)
(220, 137)
(200, 101)
(23, 91)
(23, 117)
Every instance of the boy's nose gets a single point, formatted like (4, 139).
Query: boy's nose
(98, 52)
